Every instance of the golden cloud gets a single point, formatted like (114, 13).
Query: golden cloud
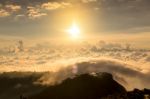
(13, 8)
(87, 1)
(55, 5)
(7, 10)
(34, 12)
(4, 13)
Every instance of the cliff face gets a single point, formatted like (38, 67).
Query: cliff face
(85, 86)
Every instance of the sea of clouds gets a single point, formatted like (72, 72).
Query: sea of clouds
(129, 65)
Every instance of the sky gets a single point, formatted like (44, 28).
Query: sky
(104, 35)
(34, 18)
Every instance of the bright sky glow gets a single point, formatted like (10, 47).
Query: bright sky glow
(74, 31)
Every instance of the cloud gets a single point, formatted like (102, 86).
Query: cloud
(55, 5)
(13, 8)
(28, 83)
(20, 17)
(4, 13)
(34, 12)
(87, 1)
(8, 10)
(128, 64)
(45, 53)
(125, 74)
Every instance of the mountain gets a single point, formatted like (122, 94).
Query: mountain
(85, 86)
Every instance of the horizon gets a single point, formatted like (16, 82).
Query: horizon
(58, 39)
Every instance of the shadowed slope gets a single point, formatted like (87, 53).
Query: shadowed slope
(85, 86)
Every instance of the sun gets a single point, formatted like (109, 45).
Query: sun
(74, 31)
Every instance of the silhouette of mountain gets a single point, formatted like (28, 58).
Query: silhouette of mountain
(15, 85)
(85, 86)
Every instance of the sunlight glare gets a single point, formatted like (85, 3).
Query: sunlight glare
(74, 31)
